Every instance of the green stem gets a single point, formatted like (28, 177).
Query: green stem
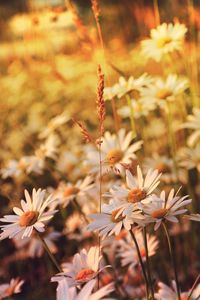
(128, 98)
(147, 261)
(172, 259)
(55, 263)
(141, 263)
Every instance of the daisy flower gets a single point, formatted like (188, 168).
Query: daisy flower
(54, 124)
(193, 122)
(12, 169)
(189, 158)
(48, 148)
(116, 149)
(128, 251)
(165, 166)
(166, 90)
(112, 219)
(35, 212)
(193, 217)
(170, 293)
(79, 191)
(137, 189)
(11, 288)
(141, 107)
(64, 292)
(83, 268)
(164, 208)
(33, 246)
(133, 85)
(166, 38)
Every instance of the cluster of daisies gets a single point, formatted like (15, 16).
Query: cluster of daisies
(110, 195)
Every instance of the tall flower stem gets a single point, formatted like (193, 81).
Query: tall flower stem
(172, 138)
(156, 12)
(55, 263)
(80, 211)
(147, 262)
(172, 259)
(141, 263)
(128, 98)
(193, 287)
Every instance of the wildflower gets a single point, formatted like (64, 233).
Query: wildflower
(11, 288)
(115, 150)
(112, 219)
(166, 38)
(35, 212)
(34, 246)
(138, 189)
(165, 208)
(64, 292)
(83, 268)
(68, 192)
(193, 122)
(128, 252)
(166, 90)
(141, 107)
(189, 158)
(48, 148)
(53, 125)
(170, 293)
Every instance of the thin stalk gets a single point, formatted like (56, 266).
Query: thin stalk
(156, 12)
(172, 139)
(80, 211)
(141, 263)
(172, 259)
(147, 262)
(128, 98)
(193, 287)
(55, 263)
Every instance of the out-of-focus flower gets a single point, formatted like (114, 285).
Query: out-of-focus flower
(189, 158)
(126, 86)
(11, 288)
(166, 90)
(163, 164)
(140, 107)
(35, 212)
(165, 208)
(112, 219)
(79, 191)
(193, 122)
(193, 217)
(128, 252)
(138, 189)
(166, 38)
(64, 292)
(170, 293)
(34, 247)
(48, 148)
(54, 124)
(115, 150)
(83, 268)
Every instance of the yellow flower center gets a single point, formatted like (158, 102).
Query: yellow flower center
(162, 42)
(159, 213)
(162, 167)
(28, 218)
(163, 93)
(116, 218)
(10, 291)
(84, 274)
(114, 156)
(71, 190)
(136, 195)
